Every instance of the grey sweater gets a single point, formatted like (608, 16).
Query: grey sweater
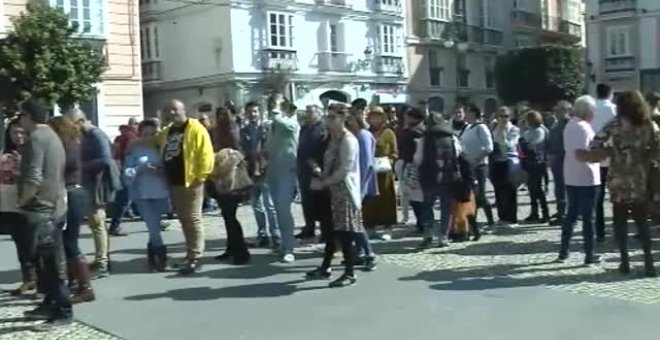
(42, 166)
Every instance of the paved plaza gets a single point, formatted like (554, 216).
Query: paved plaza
(503, 287)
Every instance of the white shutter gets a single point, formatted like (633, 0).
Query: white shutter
(323, 35)
(341, 37)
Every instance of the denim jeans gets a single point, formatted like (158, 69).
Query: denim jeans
(264, 210)
(506, 193)
(481, 176)
(600, 204)
(283, 190)
(581, 201)
(535, 173)
(152, 211)
(441, 231)
(50, 259)
(119, 207)
(75, 215)
(560, 188)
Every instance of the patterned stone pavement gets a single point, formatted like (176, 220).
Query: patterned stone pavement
(519, 257)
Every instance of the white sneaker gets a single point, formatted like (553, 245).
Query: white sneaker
(288, 258)
(386, 237)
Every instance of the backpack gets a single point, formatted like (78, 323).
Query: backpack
(440, 165)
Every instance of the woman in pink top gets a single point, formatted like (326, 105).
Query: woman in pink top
(582, 180)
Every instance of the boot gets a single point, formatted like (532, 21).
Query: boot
(151, 257)
(29, 281)
(84, 293)
(474, 228)
(161, 258)
(72, 281)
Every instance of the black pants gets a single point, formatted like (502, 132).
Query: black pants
(535, 174)
(481, 175)
(50, 263)
(345, 240)
(600, 205)
(506, 193)
(639, 213)
(228, 204)
(24, 238)
(307, 202)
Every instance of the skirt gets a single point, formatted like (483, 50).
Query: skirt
(345, 216)
(381, 209)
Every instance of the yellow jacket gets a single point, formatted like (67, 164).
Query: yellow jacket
(198, 154)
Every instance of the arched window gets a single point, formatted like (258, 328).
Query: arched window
(436, 104)
(205, 108)
(490, 106)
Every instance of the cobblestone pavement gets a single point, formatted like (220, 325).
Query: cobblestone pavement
(519, 257)
(14, 327)
(523, 257)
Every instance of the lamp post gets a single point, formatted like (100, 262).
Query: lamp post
(363, 64)
(459, 48)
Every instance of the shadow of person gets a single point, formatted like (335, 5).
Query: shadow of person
(258, 290)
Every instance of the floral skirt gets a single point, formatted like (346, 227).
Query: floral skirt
(345, 216)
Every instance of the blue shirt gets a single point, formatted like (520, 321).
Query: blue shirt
(368, 180)
(145, 184)
(96, 154)
(311, 146)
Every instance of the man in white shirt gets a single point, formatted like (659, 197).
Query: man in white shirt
(605, 111)
(582, 180)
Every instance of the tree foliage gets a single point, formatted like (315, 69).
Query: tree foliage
(540, 75)
(45, 57)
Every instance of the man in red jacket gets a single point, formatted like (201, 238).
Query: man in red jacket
(122, 204)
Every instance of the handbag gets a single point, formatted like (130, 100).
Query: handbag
(382, 165)
(230, 174)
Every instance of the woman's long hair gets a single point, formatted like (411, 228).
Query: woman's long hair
(632, 106)
(10, 146)
(66, 129)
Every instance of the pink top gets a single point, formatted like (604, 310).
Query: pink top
(577, 135)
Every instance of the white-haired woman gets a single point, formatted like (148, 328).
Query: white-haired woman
(582, 179)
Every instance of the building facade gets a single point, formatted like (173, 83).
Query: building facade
(453, 44)
(624, 44)
(207, 54)
(112, 25)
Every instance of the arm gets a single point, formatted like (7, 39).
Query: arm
(102, 144)
(487, 139)
(205, 155)
(512, 137)
(347, 152)
(282, 122)
(535, 136)
(394, 148)
(33, 172)
(419, 152)
(597, 149)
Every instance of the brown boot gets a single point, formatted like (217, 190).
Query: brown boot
(84, 293)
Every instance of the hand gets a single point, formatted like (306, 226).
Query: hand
(582, 155)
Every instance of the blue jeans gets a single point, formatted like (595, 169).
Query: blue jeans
(560, 188)
(120, 207)
(75, 215)
(283, 190)
(152, 211)
(264, 210)
(447, 200)
(581, 201)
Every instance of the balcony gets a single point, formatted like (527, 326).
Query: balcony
(279, 59)
(388, 6)
(617, 6)
(620, 64)
(389, 65)
(336, 3)
(434, 29)
(570, 28)
(151, 70)
(526, 19)
(334, 62)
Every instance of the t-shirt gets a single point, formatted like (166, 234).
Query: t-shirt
(173, 155)
(8, 179)
(577, 135)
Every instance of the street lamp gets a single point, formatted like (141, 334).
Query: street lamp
(363, 64)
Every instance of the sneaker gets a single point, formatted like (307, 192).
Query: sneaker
(370, 264)
(52, 324)
(26, 288)
(164, 225)
(386, 236)
(343, 281)
(427, 242)
(39, 313)
(190, 267)
(263, 242)
(288, 258)
(560, 259)
(118, 231)
(443, 243)
(100, 271)
(319, 274)
(305, 234)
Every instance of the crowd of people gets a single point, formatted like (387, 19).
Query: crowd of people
(343, 160)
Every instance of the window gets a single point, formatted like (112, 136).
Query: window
(146, 2)
(487, 12)
(489, 65)
(572, 10)
(435, 70)
(436, 104)
(618, 41)
(439, 9)
(280, 30)
(463, 79)
(86, 15)
(149, 44)
(390, 39)
(334, 42)
(522, 42)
